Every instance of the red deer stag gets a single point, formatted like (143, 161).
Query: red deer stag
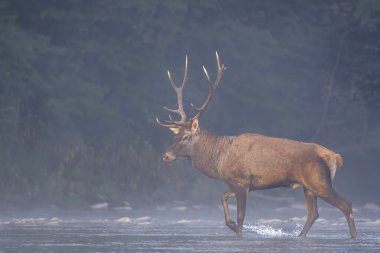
(252, 161)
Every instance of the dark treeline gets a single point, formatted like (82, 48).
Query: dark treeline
(82, 81)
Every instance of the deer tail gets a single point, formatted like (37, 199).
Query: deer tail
(333, 160)
(339, 161)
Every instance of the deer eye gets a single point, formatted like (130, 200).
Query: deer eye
(185, 138)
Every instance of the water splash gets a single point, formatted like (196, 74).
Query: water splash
(271, 231)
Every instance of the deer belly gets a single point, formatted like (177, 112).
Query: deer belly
(268, 181)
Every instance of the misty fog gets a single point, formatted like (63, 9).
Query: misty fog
(82, 83)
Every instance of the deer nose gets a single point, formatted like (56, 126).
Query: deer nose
(168, 157)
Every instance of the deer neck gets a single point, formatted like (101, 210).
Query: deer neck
(207, 152)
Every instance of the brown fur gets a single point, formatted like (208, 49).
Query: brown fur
(251, 162)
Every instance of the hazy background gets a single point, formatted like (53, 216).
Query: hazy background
(81, 82)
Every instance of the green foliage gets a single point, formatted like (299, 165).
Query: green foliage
(82, 81)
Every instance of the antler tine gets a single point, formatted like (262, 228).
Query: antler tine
(212, 86)
(179, 91)
(185, 74)
(165, 125)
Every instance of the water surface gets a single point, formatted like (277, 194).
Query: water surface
(178, 229)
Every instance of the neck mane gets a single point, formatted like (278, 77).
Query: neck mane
(207, 152)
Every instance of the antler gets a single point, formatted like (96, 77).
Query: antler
(179, 91)
(212, 87)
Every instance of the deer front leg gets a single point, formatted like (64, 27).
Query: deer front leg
(225, 196)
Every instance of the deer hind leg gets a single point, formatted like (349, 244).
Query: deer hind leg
(312, 211)
(225, 196)
(321, 185)
(241, 200)
(345, 206)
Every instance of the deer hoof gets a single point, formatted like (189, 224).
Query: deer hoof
(302, 235)
(232, 225)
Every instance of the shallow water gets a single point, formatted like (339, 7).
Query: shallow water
(177, 230)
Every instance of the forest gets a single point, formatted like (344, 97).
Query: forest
(81, 83)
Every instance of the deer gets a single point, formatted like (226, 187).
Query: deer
(251, 161)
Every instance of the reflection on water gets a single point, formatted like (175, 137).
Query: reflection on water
(202, 230)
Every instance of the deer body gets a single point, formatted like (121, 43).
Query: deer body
(252, 162)
(257, 161)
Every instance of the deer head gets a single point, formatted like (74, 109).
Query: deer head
(186, 131)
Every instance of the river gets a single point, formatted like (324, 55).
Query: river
(181, 229)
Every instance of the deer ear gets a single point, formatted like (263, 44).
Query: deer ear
(175, 130)
(195, 126)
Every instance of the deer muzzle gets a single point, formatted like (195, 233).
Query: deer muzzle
(169, 156)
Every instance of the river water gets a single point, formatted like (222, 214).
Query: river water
(182, 229)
